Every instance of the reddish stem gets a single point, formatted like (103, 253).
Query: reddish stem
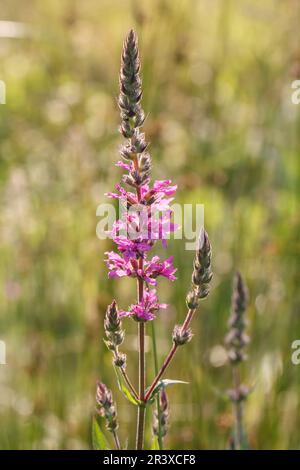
(141, 334)
(170, 356)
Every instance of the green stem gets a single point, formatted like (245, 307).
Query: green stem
(130, 386)
(160, 439)
(116, 439)
(141, 336)
(238, 411)
(142, 408)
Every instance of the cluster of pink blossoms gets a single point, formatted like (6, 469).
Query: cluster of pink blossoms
(147, 219)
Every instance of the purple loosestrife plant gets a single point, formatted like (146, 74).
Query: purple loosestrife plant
(147, 218)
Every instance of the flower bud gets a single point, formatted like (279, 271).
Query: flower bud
(180, 336)
(120, 360)
(192, 300)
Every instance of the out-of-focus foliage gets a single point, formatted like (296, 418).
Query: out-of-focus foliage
(217, 78)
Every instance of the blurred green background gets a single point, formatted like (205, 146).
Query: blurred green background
(217, 86)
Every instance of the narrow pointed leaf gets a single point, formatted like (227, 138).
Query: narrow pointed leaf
(155, 444)
(162, 384)
(123, 388)
(98, 439)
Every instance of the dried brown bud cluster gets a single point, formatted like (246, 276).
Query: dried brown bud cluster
(114, 334)
(202, 273)
(181, 336)
(236, 339)
(160, 423)
(132, 114)
(107, 408)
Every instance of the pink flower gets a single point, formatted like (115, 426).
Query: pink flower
(159, 190)
(164, 187)
(155, 268)
(125, 166)
(161, 227)
(154, 196)
(120, 267)
(123, 194)
(131, 248)
(145, 309)
(148, 218)
(136, 247)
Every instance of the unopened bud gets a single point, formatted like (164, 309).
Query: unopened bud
(192, 300)
(120, 360)
(181, 336)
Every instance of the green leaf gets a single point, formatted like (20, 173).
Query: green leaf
(123, 388)
(155, 444)
(98, 439)
(162, 384)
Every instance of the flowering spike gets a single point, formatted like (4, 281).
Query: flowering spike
(114, 333)
(161, 419)
(132, 114)
(202, 273)
(236, 339)
(136, 232)
(107, 408)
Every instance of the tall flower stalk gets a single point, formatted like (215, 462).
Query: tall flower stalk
(132, 258)
(145, 219)
(236, 340)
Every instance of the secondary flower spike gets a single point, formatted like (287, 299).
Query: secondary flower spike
(106, 406)
(236, 339)
(114, 334)
(202, 274)
(161, 419)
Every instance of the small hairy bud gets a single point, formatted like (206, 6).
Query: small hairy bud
(145, 168)
(126, 152)
(192, 300)
(120, 360)
(138, 142)
(106, 406)
(112, 322)
(180, 336)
